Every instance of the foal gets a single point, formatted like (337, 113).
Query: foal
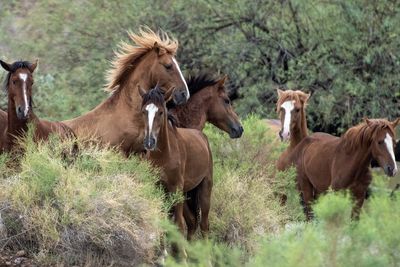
(291, 107)
(183, 155)
(324, 161)
(208, 102)
(18, 85)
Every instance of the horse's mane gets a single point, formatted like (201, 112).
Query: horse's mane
(296, 95)
(127, 57)
(364, 133)
(196, 83)
(14, 67)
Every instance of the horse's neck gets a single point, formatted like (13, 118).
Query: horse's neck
(357, 161)
(300, 132)
(193, 114)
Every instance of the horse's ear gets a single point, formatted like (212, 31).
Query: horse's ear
(367, 121)
(280, 92)
(396, 122)
(168, 95)
(33, 66)
(304, 97)
(142, 92)
(5, 65)
(221, 82)
(159, 50)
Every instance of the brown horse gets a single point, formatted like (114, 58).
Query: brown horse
(18, 85)
(291, 107)
(118, 120)
(324, 161)
(183, 155)
(209, 102)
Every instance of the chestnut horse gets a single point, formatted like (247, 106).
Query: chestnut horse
(118, 120)
(291, 107)
(18, 85)
(183, 155)
(324, 161)
(209, 102)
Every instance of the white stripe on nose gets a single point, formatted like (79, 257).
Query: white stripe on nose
(389, 146)
(151, 113)
(288, 106)
(183, 79)
(23, 77)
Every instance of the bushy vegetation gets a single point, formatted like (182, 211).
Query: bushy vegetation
(344, 52)
(102, 208)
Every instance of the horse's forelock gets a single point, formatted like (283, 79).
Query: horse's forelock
(154, 96)
(13, 68)
(286, 96)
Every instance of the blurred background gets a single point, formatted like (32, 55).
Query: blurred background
(346, 53)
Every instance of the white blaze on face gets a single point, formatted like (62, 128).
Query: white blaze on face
(23, 77)
(389, 146)
(151, 113)
(288, 106)
(183, 79)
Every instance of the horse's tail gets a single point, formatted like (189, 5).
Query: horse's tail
(192, 206)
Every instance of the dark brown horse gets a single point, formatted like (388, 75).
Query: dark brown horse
(325, 161)
(18, 85)
(291, 107)
(183, 155)
(209, 102)
(118, 120)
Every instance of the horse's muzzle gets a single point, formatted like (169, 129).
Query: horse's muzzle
(21, 114)
(180, 97)
(236, 131)
(150, 143)
(284, 136)
(390, 171)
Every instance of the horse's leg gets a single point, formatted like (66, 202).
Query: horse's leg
(359, 190)
(205, 188)
(190, 219)
(307, 191)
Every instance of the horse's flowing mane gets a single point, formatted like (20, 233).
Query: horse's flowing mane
(128, 54)
(291, 95)
(14, 66)
(200, 81)
(364, 133)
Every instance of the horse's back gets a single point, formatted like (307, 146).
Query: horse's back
(45, 128)
(316, 154)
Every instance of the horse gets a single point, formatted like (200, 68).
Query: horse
(291, 107)
(209, 102)
(182, 154)
(3, 128)
(323, 161)
(117, 121)
(18, 85)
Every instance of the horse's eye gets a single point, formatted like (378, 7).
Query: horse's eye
(380, 142)
(161, 113)
(297, 109)
(14, 82)
(227, 101)
(168, 66)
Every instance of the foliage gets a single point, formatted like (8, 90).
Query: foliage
(344, 52)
